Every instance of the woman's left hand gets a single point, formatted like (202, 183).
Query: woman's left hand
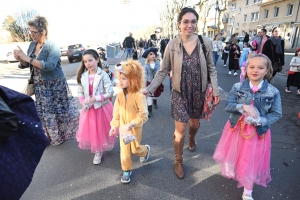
(216, 100)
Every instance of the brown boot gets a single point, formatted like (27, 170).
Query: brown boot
(192, 134)
(178, 151)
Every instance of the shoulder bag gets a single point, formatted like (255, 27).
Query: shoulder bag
(209, 106)
(29, 88)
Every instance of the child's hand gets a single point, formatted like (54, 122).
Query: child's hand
(250, 111)
(92, 100)
(112, 131)
(129, 126)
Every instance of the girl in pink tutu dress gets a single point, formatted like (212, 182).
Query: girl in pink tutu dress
(94, 91)
(244, 148)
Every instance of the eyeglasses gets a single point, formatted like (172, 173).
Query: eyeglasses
(33, 32)
(157, 32)
(187, 22)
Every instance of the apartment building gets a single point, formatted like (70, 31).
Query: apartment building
(252, 15)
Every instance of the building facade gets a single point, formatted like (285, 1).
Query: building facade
(252, 15)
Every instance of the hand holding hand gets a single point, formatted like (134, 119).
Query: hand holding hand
(146, 93)
(216, 100)
(112, 131)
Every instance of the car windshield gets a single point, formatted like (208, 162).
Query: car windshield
(75, 46)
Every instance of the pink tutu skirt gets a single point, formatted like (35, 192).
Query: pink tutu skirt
(94, 126)
(244, 155)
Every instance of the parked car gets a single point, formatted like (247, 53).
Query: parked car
(63, 51)
(75, 52)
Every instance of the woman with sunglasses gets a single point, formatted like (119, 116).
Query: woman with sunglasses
(55, 104)
(184, 55)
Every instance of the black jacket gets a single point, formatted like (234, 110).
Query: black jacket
(269, 49)
(129, 42)
(246, 38)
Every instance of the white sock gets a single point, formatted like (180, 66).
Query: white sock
(149, 101)
(247, 192)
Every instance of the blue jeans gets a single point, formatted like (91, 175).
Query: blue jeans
(128, 51)
(215, 57)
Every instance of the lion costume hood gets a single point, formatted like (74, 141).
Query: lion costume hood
(134, 72)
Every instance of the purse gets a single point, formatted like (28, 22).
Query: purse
(209, 106)
(277, 67)
(29, 88)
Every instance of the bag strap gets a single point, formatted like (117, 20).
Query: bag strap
(204, 51)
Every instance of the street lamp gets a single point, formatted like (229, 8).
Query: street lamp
(217, 9)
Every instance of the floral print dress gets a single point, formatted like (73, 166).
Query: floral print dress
(56, 107)
(189, 102)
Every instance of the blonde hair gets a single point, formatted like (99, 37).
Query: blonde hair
(268, 76)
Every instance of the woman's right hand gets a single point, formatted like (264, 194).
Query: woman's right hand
(250, 111)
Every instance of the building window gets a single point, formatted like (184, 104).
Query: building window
(290, 8)
(239, 10)
(276, 12)
(266, 13)
(245, 18)
(247, 2)
(256, 1)
(237, 25)
(254, 17)
(230, 21)
(233, 6)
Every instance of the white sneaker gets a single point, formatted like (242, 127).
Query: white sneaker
(224, 65)
(97, 158)
(229, 72)
(247, 197)
(298, 92)
(144, 159)
(235, 74)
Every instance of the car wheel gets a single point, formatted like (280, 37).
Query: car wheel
(70, 60)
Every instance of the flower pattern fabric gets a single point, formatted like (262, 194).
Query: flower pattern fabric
(189, 102)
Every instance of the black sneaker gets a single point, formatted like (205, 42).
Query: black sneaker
(144, 159)
(126, 176)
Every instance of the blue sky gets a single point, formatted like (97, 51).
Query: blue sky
(83, 21)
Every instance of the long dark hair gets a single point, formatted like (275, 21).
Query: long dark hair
(82, 67)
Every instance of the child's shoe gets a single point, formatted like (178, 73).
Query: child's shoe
(235, 74)
(144, 159)
(126, 176)
(298, 92)
(287, 90)
(224, 65)
(97, 158)
(229, 72)
(247, 197)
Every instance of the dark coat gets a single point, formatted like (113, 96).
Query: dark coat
(269, 49)
(21, 152)
(233, 63)
(246, 38)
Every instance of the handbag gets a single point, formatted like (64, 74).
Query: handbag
(29, 88)
(277, 67)
(209, 106)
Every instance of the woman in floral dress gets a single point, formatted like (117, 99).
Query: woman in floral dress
(190, 67)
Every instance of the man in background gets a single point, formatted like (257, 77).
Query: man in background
(129, 45)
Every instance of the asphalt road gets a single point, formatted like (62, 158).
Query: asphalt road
(66, 172)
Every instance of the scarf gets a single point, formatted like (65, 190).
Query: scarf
(277, 43)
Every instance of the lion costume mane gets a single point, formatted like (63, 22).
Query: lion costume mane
(135, 74)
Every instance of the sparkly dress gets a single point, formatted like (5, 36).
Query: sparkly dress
(189, 102)
(94, 126)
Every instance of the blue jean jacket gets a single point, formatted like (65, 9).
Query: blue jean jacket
(148, 70)
(49, 58)
(267, 101)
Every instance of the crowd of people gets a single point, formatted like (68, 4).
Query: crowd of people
(244, 148)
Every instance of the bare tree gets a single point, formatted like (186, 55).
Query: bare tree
(17, 25)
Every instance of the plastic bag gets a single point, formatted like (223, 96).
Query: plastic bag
(127, 136)
(253, 119)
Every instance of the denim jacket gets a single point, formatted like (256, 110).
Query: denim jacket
(267, 101)
(149, 74)
(49, 58)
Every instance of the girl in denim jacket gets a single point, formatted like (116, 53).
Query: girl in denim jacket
(244, 148)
